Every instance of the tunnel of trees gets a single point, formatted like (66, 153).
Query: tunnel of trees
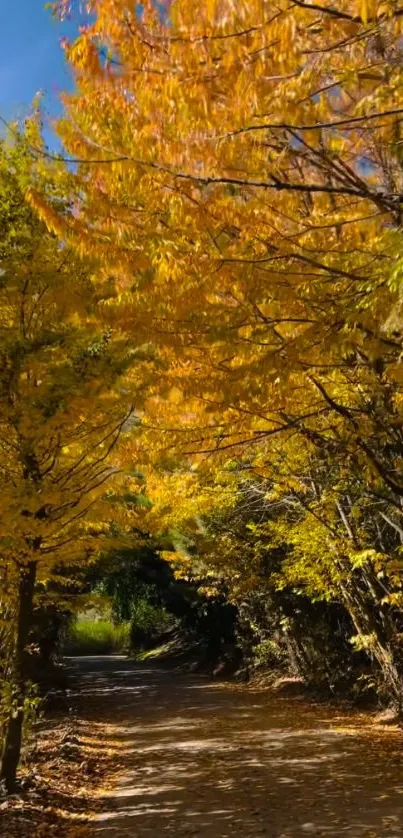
(200, 344)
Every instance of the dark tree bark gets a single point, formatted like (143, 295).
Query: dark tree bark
(20, 675)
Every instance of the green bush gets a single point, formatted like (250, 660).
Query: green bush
(97, 637)
(148, 623)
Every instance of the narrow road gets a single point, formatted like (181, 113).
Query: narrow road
(220, 761)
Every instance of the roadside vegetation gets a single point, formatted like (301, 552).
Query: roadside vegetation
(97, 637)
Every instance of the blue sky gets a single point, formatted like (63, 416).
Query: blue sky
(31, 58)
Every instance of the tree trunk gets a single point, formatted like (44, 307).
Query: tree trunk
(366, 624)
(13, 736)
(298, 664)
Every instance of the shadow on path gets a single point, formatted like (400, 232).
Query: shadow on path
(208, 760)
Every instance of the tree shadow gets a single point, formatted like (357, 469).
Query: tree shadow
(211, 760)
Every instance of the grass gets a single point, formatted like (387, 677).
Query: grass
(97, 637)
(150, 654)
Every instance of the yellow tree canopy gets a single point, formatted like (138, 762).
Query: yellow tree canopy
(239, 167)
(64, 407)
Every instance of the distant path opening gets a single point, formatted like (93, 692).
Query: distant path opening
(195, 758)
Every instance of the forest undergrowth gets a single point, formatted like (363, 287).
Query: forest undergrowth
(65, 764)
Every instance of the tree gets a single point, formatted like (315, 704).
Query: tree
(244, 167)
(64, 410)
(240, 166)
(305, 554)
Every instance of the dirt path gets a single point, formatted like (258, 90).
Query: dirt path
(214, 761)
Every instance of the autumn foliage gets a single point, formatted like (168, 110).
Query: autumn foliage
(236, 181)
(63, 412)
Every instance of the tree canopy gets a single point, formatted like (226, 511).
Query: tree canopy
(64, 411)
(221, 284)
